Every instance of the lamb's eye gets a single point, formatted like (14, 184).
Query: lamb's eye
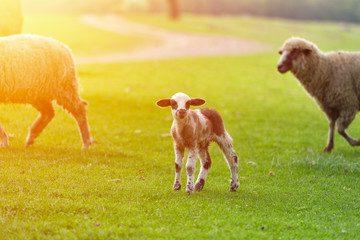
(173, 104)
(280, 52)
(187, 105)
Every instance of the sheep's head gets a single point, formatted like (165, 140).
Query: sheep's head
(180, 104)
(295, 55)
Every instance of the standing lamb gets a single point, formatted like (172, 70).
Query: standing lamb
(332, 79)
(195, 129)
(38, 70)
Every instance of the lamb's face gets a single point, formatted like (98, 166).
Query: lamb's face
(294, 55)
(180, 104)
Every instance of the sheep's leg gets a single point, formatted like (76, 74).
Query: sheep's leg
(77, 109)
(190, 169)
(330, 141)
(205, 167)
(4, 138)
(179, 156)
(47, 113)
(342, 124)
(226, 147)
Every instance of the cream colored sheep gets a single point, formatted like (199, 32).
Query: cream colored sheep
(38, 70)
(11, 17)
(332, 79)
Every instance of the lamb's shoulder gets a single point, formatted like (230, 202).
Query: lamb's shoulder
(175, 134)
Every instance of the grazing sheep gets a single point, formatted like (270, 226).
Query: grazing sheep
(38, 70)
(11, 17)
(332, 79)
(195, 129)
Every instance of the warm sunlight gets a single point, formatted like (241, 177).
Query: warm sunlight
(84, 5)
(11, 15)
(179, 119)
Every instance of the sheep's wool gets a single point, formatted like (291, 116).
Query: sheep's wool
(35, 67)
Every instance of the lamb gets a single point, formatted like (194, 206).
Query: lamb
(195, 129)
(37, 70)
(332, 79)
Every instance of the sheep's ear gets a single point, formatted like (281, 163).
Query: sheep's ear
(197, 102)
(307, 51)
(163, 102)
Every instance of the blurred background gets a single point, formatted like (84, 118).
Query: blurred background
(330, 23)
(337, 10)
(54, 191)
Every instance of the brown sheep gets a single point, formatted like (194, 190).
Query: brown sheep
(332, 79)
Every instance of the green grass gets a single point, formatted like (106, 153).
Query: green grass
(83, 39)
(122, 187)
(328, 35)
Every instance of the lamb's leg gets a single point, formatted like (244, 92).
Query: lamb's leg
(4, 138)
(205, 167)
(77, 109)
(342, 124)
(47, 113)
(179, 156)
(226, 147)
(330, 142)
(190, 169)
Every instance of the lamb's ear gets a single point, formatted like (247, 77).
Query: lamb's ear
(197, 102)
(307, 51)
(163, 102)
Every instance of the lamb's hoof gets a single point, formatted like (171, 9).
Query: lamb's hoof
(234, 186)
(200, 185)
(328, 148)
(189, 189)
(87, 143)
(177, 186)
(29, 142)
(86, 146)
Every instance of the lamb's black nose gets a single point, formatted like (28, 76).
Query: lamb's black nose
(181, 111)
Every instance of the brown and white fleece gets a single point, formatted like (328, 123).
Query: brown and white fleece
(195, 129)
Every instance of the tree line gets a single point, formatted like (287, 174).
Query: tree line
(334, 10)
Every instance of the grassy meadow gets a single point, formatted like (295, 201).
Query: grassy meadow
(122, 187)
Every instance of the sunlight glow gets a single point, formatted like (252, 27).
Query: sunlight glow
(10, 11)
